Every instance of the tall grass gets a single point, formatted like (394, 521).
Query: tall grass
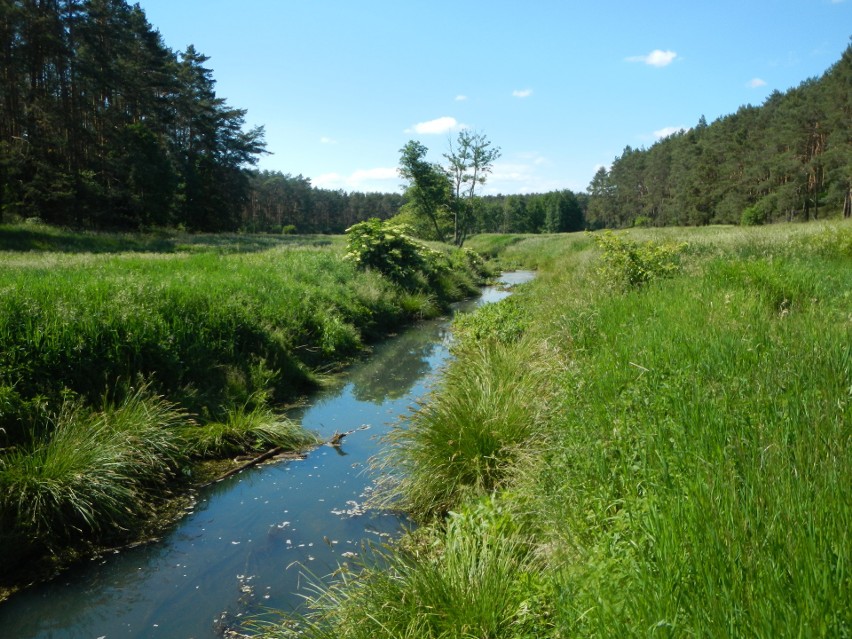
(245, 429)
(475, 577)
(696, 472)
(91, 475)
(465, 440)
(222, 328)
(207, 330)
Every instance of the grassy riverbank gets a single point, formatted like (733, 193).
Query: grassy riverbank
(649, 440)
(128, 359)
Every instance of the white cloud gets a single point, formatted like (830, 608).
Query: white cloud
(327, 140)
(436, 126)
(525, 173)
(380, 179)
(657, 58)
(755, 83)
(522, 93)
(379, 173)
(461, 98)
(667, 131)
(327, 180)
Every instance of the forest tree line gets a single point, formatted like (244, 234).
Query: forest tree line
(283, 203)
(789, 159)
(103, 126)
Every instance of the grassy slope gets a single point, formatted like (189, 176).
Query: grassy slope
(162, 349)
(687, 465)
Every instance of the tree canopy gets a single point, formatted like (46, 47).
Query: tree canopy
(101, 125)
(445, 196)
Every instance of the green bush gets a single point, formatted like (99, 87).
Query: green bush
(386, 248)
(628, 264)
(753, 216)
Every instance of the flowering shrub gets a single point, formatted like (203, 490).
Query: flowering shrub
(387, 248)
(630, 264)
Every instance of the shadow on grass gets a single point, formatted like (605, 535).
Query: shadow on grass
(26, 238)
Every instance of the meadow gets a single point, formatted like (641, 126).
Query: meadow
(127, 360)
(654, 438)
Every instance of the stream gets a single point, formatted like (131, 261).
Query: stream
(249, 540)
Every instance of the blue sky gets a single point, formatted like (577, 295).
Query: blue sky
(560, 87)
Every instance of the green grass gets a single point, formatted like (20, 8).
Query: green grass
(691, 475)
(476, 577)
(222, 330)
(466, 440)
(88, 474)
(245, 429)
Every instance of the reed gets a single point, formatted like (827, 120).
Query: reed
(465, 439)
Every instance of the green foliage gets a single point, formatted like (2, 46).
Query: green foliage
(753, 215)
(448, 272)
(629, 264)
(505, 321)
(386, 248)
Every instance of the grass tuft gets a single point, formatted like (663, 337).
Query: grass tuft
(92, 474)
(465, 439)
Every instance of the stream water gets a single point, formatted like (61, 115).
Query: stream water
(250, 539)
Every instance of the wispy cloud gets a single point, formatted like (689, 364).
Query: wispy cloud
(524, 173)
(522, 93)
(436, 126)
(461, 98)
(376, 179)
(755, 83)
(666, 131)
(657, 58)
(327, 140)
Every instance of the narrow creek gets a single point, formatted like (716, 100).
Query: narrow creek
(250, 538)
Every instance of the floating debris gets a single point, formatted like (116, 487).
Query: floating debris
(354, 509)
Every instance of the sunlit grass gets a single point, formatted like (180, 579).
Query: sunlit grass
(465, 440)
(89, 475)
(696, 472)
(245, 429)
(475, 577)
(225, 329)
